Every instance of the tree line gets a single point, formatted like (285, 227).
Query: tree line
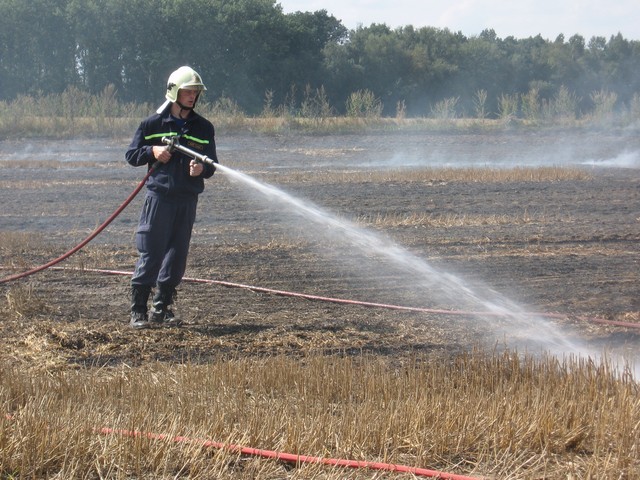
(256, 56)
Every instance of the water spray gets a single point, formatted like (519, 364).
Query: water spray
(519, 328)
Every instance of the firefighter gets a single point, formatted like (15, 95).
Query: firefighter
(169, 210)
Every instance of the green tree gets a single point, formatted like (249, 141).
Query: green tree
(434, 63)
(98, 29)
(245, 48)
(147, 51)
(396, 65)
(36, 49)
(621, 66)
(307, 35)
(483, 66)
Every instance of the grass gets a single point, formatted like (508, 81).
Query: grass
(28, 126)
(75, 113)
(495, 415)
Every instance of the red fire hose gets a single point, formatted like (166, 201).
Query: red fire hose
(290, 457)
(281, 456)
(344, 301)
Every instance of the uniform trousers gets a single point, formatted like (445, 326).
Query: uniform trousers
(163, 238)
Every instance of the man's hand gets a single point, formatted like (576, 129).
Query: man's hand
(195, 168)
(161, 154)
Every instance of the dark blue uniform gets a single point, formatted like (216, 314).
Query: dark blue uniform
(169, 210)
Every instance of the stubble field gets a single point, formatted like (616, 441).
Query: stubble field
(445, 224)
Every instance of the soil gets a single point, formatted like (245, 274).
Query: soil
(566, 247)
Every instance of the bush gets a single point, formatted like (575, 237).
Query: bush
(364, 104)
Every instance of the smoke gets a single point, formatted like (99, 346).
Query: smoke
(487, 156)
(625, 159)
(37, 150)
(487, 150)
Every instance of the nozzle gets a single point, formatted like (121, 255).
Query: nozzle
(174, 144)
(171, 142)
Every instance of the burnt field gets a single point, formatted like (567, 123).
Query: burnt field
(532, 222)
(382, 297)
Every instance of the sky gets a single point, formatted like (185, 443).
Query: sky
(517, 18)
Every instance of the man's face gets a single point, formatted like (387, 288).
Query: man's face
(188, 97)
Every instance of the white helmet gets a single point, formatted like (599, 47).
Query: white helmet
(184, 77)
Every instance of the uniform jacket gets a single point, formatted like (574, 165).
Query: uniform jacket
(172, 179)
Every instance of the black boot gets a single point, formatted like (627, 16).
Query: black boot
(139, 298)
(161, 314)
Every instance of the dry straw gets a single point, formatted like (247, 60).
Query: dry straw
(497, 415)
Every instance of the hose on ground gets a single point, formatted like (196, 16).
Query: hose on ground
(289, 457)
(281, 456)
(93, 235)
(344, 301)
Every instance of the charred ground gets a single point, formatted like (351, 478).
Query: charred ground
(564, 245)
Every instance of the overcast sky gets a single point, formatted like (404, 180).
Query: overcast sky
(517, 18)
